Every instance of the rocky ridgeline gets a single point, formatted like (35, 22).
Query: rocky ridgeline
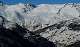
(15, 37)
(63, 33)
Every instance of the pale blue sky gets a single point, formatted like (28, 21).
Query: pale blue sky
(41, 1)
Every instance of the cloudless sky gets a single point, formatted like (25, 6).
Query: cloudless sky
(40, 1)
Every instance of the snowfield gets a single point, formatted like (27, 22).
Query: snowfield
(44, 15)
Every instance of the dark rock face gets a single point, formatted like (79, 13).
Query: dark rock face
(14, 38)
(74, 26)
(76, 44)
(39, 41)
(9, 38)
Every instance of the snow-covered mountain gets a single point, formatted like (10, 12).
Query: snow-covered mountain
(45, 14)
(54, 18)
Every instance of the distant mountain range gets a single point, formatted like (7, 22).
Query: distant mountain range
(56, 22)
(29, 15)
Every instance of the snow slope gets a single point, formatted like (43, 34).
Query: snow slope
(44, 15)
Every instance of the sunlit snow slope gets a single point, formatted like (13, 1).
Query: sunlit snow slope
(44, 14)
